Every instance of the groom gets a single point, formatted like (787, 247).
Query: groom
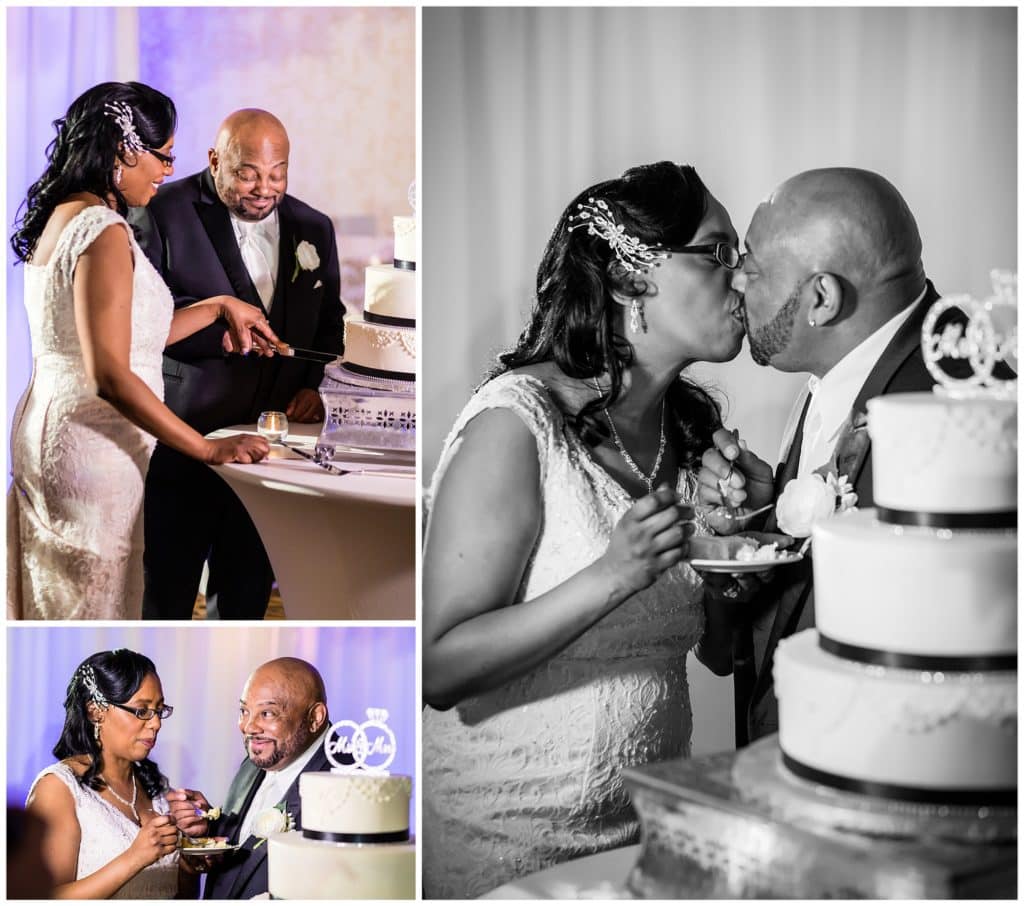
(232, 230)
(283, 720)
(833, 285)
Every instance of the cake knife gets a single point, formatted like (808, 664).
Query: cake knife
(335, 470)
(310, 355)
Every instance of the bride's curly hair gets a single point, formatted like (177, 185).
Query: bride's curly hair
(573, 322)
(117, 675)
(82, 156)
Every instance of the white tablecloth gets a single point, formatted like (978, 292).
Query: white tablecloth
(342, 547)
(598, 877)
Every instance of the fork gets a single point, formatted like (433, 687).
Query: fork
(738, 519)
(337, 470)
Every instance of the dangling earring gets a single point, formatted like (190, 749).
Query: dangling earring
(96, 730)
(117, 175)
(637, 321)
(811, 323)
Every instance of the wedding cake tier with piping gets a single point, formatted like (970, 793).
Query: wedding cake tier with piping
(907, 687)
(369, 393)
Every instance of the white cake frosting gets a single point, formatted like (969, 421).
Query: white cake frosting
(339, 852)
(934, 454)
(914, 589)
(909, 679)
(390, 292)
(924, 730)
(405, 238)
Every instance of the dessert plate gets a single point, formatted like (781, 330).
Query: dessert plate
(192, 850)
(744, 566)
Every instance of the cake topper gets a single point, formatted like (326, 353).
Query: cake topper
(371, 744)
(987, 339)
(411, 195)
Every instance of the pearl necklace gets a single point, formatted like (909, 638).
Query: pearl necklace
(122, 800)
(624, 453)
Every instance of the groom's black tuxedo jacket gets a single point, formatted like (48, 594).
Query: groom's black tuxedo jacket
(243, 873)
(186, 232)
(786, 605)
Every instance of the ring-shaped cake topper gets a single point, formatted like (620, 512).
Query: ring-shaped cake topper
(411, 195)
(371, 744)
(986, 340)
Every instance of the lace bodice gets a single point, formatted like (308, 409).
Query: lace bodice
(74, 511)
(106, 833)
(528, 774)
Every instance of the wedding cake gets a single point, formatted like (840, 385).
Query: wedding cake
(907, 687)
(354, 842)
(369, 393)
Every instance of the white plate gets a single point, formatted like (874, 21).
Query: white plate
(745, 566)
(209, 850)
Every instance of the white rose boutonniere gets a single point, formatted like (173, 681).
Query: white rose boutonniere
(808, 500)
(271, 821)
(306, 258)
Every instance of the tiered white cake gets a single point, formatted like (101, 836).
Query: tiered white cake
(907, 689)
(354, 841)
(369, 394)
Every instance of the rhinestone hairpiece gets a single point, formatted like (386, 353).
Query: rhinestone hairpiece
(87, 678)
(121, 114)
(635, 256)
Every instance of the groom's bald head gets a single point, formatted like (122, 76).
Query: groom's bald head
(832, 255)
(249, 163)
(283, 708)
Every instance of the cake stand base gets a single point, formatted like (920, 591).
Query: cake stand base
(706, 835)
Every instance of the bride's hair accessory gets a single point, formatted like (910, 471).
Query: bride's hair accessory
(637, 321)
(86, 677)
(635, 256)
(121, 114)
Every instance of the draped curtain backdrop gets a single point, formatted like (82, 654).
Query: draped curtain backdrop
(343, 81)
(202, 672)
(522, 108)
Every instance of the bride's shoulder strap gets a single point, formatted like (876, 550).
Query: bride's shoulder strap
(81, 231)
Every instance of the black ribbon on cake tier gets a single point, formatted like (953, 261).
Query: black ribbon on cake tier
(404, 265)
(993, 797)
(902, 661)
(381, 372)
(1001, 519)
(398, 836)
(390, 320)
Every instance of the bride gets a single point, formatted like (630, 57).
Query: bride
(557, 614)
(100, 317)
(107, 832)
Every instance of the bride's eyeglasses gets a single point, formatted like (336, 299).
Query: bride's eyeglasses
(166, 159)
(164, 711)
(726, 255)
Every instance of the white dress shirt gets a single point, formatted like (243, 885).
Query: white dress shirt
(259, 244)
(833, 396)
(275, 785)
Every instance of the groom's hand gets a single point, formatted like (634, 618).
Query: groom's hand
(185, 808)
(732, 476)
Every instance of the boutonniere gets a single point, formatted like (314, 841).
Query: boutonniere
(271, 821)
(306, 258)
(808, 500)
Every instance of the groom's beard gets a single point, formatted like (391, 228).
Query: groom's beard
(772, 338)
(279, 750)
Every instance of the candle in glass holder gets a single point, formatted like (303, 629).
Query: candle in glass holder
(272, 425)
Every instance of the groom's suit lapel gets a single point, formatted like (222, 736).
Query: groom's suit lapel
(292, 804)
(852, 460)
(216, 221)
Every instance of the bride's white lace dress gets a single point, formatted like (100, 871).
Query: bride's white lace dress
(106, 833)
(527, 775)
(74, 511)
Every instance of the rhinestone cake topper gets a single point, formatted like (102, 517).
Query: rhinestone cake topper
(371, 744)
(987, 340)
(411, 195)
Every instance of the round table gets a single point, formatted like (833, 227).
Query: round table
(343, 547)
(598, 877)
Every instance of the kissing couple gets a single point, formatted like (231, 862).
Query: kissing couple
(558, 604)
(112, 824)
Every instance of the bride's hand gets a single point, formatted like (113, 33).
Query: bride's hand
(651, 537)
(156, 838)
(247, 328)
